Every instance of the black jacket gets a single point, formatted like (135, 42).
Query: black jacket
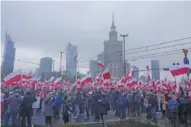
(26, 104)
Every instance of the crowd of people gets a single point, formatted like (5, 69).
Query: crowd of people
(66, 104)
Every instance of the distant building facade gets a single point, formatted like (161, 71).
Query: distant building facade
(100, 57)
(71, 60)
(45, 68)
(93, 68)
(113, 58)
(127, 67)
(155, 69)
(136, 72)
(37, 73)
(9, 56)
(143, 78)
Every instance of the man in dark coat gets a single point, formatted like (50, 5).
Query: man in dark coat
(130, 101)
(26, 108)
(103, 104)
(113, 99)
(87, 105)
(95, 97)
(122, 101)
(137, 101)
(185, 105)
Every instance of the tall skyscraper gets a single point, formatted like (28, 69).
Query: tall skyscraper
(93, 68)
(155, 69)
(45, 66)
(71, 60)
(9, 56)
(136, 72)
(113, 49)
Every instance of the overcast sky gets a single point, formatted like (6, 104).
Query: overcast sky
(44, 28)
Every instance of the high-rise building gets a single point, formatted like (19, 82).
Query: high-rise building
(37, 73)
(45, 65)
(93, 68)
(136, 72)
(45, 68)
(155, 69)
(71, 60)
(9, 56)
(113, 49)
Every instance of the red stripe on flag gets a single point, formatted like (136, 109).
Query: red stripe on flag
(106, 74)
(100, 64)
(180, 70)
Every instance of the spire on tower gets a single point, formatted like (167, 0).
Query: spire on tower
(113, 23)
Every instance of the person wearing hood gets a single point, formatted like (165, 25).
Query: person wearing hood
(14, 101)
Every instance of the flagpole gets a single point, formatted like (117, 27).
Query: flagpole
(21, 76)
(78, 69)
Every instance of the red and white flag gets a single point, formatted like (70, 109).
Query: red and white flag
(131, 83)
(179, 70)
(106, 74)
(148, 77)
(13, 77)
(51, 79)
(57, 80)
(100, 64)
(128, 76)
(87, 79)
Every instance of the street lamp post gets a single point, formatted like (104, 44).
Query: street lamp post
(61, 63)
(124, 36)
(53, 62)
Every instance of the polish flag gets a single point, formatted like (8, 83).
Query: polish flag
(179, 70)
(99, 77)
(128, 75)
(86, 79)
(106, 74)
(89, 78)
(77, 82)
(57, 80)
(148, 77)
(122, 80)
(25, 76)
(100, 64)
(67, 84)
(13, 77)
(131, 83)
(51, 79)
